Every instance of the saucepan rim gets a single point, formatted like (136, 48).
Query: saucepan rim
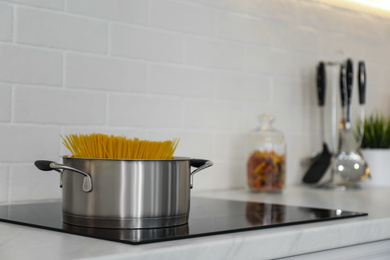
(175, 158)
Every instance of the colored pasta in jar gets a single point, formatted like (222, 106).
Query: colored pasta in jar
(265, 171)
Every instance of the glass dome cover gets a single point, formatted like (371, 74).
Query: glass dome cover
(266, 133)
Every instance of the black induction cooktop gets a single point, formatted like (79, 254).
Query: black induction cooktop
(207, 217)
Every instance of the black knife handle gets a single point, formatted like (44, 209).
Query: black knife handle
(321, 82)
(342, 85)
(349, 76)
(362, 82)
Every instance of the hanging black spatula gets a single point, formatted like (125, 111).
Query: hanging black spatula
(322, 162)
(362, 79)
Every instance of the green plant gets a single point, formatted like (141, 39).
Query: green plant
(376, 132)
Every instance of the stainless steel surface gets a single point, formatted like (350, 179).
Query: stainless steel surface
(136, 235)
(204, 166)
(334, 132)
(348, 162)
(87, 181)
(127, 193)
(343, 95)
(348, 166)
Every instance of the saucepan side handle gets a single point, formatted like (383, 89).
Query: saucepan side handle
(200, 165)
(50, 165)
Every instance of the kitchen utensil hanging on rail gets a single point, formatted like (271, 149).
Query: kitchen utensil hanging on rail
(348, 167)
(343, 94)
(322, 161)
(348, 162)
(362, 79)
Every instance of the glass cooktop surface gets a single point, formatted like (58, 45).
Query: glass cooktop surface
(207, 217)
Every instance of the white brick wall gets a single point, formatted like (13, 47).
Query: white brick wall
(26, 143)
(144, 111)
(51, 4)
(127, 11)
(90, 72)
(177, 16)
(5, 103)
(50, 29)
(181, 81)
(214, 53)
(30, 65)
(246, 87)
(58, 106)
(244, 28)
(6, 21)
(145, 43)
(200, 70)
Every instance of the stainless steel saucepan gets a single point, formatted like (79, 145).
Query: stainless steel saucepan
(129, 194)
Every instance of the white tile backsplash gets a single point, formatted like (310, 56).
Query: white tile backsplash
(193, 19)
(146, 43)
(25, 143)
(58, 106)
(282, 33)
(305, 39)
(274, 62)
(285, 10)
(6, 21)
(181, 81)
(105, 73)
(5, 102)
(208, 52)
(245, 28)
(4, 184)
(379, 74)
(363, 25)
(287, 116)
(212, 114)
(127, 11)
(288, 91)
(252, 111)
(244, 86)
(199, 70)
(233, 5)
(222, 174)
(382, 78)
(321, 16)
(375, 51)
(30, 65)
(145, 111)
(231, 146)
(386, 29)
(51, 4)
(49, 29)
(37, 185)
(196, 145)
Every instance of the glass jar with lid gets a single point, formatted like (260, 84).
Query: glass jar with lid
(267, 157)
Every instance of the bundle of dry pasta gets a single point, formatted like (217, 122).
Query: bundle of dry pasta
(101, 146)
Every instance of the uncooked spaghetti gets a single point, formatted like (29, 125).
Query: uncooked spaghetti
(101, 146)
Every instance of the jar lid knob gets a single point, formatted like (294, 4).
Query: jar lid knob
(266, 121)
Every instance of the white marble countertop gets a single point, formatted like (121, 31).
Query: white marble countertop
(20, 242)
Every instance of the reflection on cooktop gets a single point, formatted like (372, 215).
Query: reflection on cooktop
(207, 217)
